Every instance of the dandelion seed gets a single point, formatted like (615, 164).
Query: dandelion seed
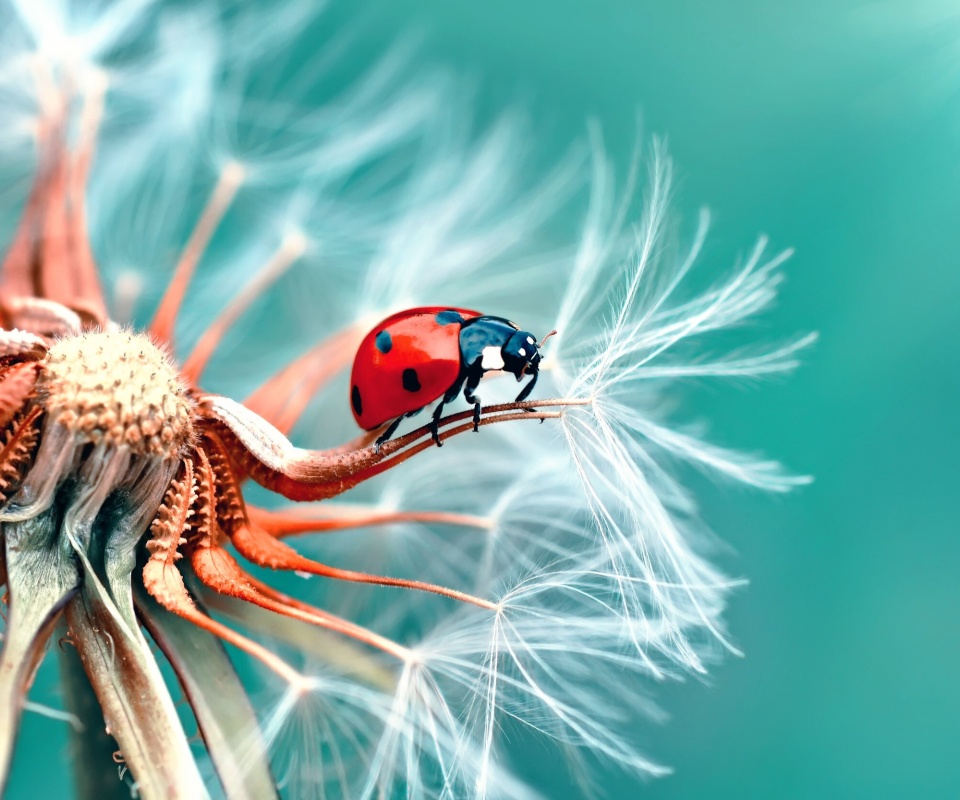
(521, 577)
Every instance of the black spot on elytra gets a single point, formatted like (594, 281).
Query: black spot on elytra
(355, 399)
(410, 380)
(448, 317)
(384, 342)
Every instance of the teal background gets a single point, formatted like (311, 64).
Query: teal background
(834, 127)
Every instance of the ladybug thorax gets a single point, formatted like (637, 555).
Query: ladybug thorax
(494, 343)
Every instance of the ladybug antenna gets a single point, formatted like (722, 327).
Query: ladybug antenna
(544, 339)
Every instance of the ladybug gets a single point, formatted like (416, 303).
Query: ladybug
(424, 354)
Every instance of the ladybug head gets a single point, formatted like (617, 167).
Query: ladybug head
(521, 355)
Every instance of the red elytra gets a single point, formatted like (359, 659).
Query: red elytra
(406, 362)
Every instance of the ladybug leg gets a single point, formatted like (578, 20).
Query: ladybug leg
(451, 394)
(472, 382)
(387, 434)
(435, 422)
(525, 392)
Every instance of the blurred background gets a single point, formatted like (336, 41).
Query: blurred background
(833, 127)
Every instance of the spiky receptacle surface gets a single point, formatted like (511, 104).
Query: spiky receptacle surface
(117, 387)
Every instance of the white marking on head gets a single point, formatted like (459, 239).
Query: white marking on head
(530, 340)
(522, 352)
(492, 359)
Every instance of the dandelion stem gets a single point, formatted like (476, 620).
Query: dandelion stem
(192, 614)
(281, 400)
(133, 696)
(79, 286)
(326, 519)
(231, 178)
(50, 256)
(262, 549)
(39, 582)
(290, 249)
(19, 265)
(323, 646)
(91, 747)
(222, 708)
(449, 433)
(334, 623)
(217, 570)
(299, 474)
